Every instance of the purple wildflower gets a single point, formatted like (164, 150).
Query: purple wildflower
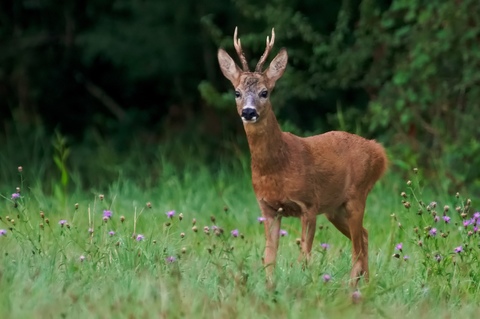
(326, 278)
(433, 232)
(15, 196)
(170, 214)
(234, 233)
(438, 258)
(171, 259)
(111, 233)
(325, 246)
(399, 246)
(283, 232)
(466, 222)
(406, 257)
(62, 222)
(261, 219)
(458, 249)
(140, 237)
(446, 219)
(476, 216)
(3, 232)
(475, 229)
(107, 214)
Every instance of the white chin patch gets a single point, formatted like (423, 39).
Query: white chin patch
(253, 120)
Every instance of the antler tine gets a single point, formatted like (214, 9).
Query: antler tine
(238, 48)
(268, 48)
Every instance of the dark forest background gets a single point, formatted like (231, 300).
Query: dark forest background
(139, 72)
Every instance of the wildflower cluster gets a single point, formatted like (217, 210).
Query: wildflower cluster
(442, 235)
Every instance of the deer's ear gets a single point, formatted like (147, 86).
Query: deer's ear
(277, 66)
(228, 66)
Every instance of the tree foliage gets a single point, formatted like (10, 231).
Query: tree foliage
(404, 72)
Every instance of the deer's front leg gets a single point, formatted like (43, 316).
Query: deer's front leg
(272, 234)
(308, 233)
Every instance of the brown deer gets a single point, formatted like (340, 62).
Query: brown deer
(330, 173)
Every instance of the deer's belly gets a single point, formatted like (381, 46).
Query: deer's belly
(284, 208)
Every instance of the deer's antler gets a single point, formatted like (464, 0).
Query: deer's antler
(238, 48)
(268, 48)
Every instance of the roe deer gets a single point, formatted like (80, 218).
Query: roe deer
(330, 173)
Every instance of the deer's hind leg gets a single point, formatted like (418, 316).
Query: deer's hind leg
(349, 221)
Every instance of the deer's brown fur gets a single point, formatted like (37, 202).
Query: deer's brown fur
(330, 173)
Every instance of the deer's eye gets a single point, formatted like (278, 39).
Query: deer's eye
(237, 94)
(264, 94)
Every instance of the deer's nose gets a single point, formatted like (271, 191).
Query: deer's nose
(249, 113)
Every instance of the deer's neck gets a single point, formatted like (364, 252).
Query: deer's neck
(267, 147)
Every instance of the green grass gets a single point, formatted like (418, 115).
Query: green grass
(42, 276)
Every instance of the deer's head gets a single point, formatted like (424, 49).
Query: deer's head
(252, 89)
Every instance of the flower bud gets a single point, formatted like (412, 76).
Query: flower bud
(101, 196)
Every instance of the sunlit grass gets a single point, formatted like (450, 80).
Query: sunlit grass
(78, 268)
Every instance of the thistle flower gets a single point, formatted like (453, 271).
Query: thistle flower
(82, 258)
(438, 258)
(283, 232)
(111, 233)
(476, 216)
(433, 232)
(466, 222)
(436, 219)
(171, 259)
(62, 222)
(15, 196)
(261, 219)
(458, 249)
(90, 230)
(446, 219)
(140, 237)
(170, 214)
(325, 246)
(107, 214)
(3, 232)
(326, 278)
(399, 246)
(406, 257)
(234, 233)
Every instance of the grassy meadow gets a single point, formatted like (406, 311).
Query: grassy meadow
(155, 240)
